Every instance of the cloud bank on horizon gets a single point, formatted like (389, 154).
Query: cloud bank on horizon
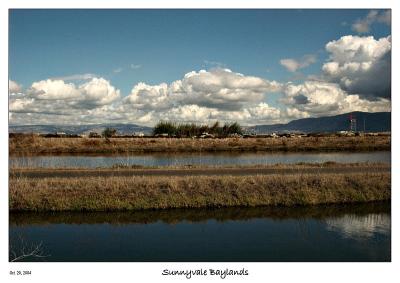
(355, 77)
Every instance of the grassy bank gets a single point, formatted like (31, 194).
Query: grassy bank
(160, 192)
(40, 145)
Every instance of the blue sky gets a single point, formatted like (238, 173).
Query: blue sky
(126, 47)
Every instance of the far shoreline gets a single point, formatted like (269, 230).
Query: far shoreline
(35, 145)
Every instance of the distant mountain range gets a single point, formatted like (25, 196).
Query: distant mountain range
(374, 122)
(123, 129)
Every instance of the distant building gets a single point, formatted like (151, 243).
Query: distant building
(346, 133)
(206, 135)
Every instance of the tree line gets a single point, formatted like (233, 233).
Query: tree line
(191, 129)
(188, 129)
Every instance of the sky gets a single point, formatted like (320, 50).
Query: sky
(143, 66)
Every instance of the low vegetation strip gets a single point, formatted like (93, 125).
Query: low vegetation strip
(33, 145)
(282, 169)
(159, 192)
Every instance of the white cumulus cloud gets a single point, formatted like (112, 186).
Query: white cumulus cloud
(144, 96)
(19, 104)
(13, 87)
(55, 98)
(53, 89)
(360, 65)
(292, 65)
(317, 99)
(364, 25)
(203, 96)
(217, 88)
(98, 92)
(95, 92)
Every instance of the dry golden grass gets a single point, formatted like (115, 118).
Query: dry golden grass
(37, 145)
(156, 192)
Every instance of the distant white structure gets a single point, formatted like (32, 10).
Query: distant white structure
(164, 135)
(205, 135)
(346, 133)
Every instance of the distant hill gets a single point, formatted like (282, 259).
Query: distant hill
(124, 129)
(374, 122)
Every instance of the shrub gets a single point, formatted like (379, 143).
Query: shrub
(109, 132)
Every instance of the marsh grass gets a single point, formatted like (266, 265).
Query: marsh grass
(157, 192)
(41, 145)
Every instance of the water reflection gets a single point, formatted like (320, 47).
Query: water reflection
(355, 226)
(328, 233)
(93, 161)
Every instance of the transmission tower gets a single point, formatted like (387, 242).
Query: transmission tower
(353, 124)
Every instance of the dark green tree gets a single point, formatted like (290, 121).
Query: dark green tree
(109, 132)
(235, 128)
(164, 127)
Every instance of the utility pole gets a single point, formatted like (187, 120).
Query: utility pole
(353, 124)
(364, 124)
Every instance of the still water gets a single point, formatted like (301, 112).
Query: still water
(328, 233)
(93, 161)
